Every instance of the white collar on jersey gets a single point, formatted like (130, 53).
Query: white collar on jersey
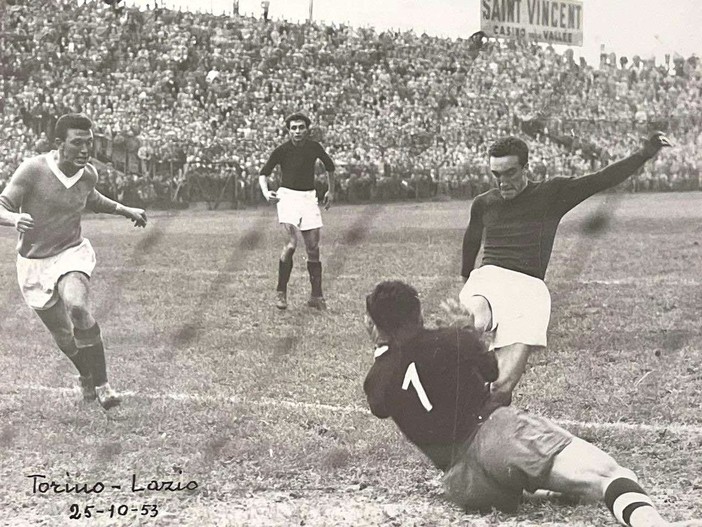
(66, 181)
(380, 350)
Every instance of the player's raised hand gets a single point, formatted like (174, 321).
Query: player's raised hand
(137, 216)
(328, 199)
(24, 222)
(655, 142)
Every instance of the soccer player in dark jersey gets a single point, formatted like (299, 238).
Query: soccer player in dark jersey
(433, 384)
(516, 225)
(296, 201)
(44, 201)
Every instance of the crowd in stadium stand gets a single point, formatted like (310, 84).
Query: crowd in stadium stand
(187, 106)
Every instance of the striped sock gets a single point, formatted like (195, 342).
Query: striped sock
(623, 496)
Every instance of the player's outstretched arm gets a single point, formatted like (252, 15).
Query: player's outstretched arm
(578, 189)
(136, 215)
(102, 204)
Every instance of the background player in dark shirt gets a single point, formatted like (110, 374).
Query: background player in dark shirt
(296, 201)
(516, 225)
(432, 383)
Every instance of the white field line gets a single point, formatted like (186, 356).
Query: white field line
(629, 280)
(619, 426)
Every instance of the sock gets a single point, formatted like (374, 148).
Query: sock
(77, 357)
(284, 270)
(89, 342)
(623, 496)
(315, 270)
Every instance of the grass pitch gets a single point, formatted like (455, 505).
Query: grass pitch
(265, 411)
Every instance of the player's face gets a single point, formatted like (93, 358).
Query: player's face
(369, 325)
(297, 131)
(77, 147)
(510, 175)
(376, 335)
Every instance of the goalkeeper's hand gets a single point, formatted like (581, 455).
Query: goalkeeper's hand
(456, 314)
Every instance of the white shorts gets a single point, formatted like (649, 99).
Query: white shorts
(299, 208)
(38, 277)
(520, 304)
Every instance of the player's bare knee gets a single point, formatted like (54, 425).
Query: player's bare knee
(479, 307)
(288, 252)
(313, 254)
(602, 470)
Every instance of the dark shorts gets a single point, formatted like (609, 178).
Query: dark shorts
(512, 451)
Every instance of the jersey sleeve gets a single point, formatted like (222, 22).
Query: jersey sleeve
(572, 191)
(19, 186)
(273, 160)
(325, 159)
(375, 387)
(473, 237)
(99, 203)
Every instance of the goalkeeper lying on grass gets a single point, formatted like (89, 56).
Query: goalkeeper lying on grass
(434, 384)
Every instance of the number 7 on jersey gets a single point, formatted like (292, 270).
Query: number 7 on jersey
(412, 377)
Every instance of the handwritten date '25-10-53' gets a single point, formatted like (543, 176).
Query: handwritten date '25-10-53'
(77, 512)
(40, 485)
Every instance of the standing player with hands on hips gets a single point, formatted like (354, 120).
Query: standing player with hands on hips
(44, 201)
(516, 224)
(296, 201)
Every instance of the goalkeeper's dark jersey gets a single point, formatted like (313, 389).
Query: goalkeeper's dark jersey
(518, 234)
(434, 388)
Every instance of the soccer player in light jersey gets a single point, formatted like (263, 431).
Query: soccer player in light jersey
(516, 224)
(432, 383)
(44, 201)
(296, 201)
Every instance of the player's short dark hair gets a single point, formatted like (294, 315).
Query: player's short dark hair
(69, 121)
(510, 146)
(297, 116)
(392, 305)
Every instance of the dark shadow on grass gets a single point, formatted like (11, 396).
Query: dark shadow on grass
(144, 247)
(251, 240)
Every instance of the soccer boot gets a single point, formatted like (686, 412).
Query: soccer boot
(281, 301)
(107, 397)
(317, 302)
(87, 388)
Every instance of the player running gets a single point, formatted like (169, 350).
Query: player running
(296, 201)
(432, 383)
(516, 225)
(44, 201)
